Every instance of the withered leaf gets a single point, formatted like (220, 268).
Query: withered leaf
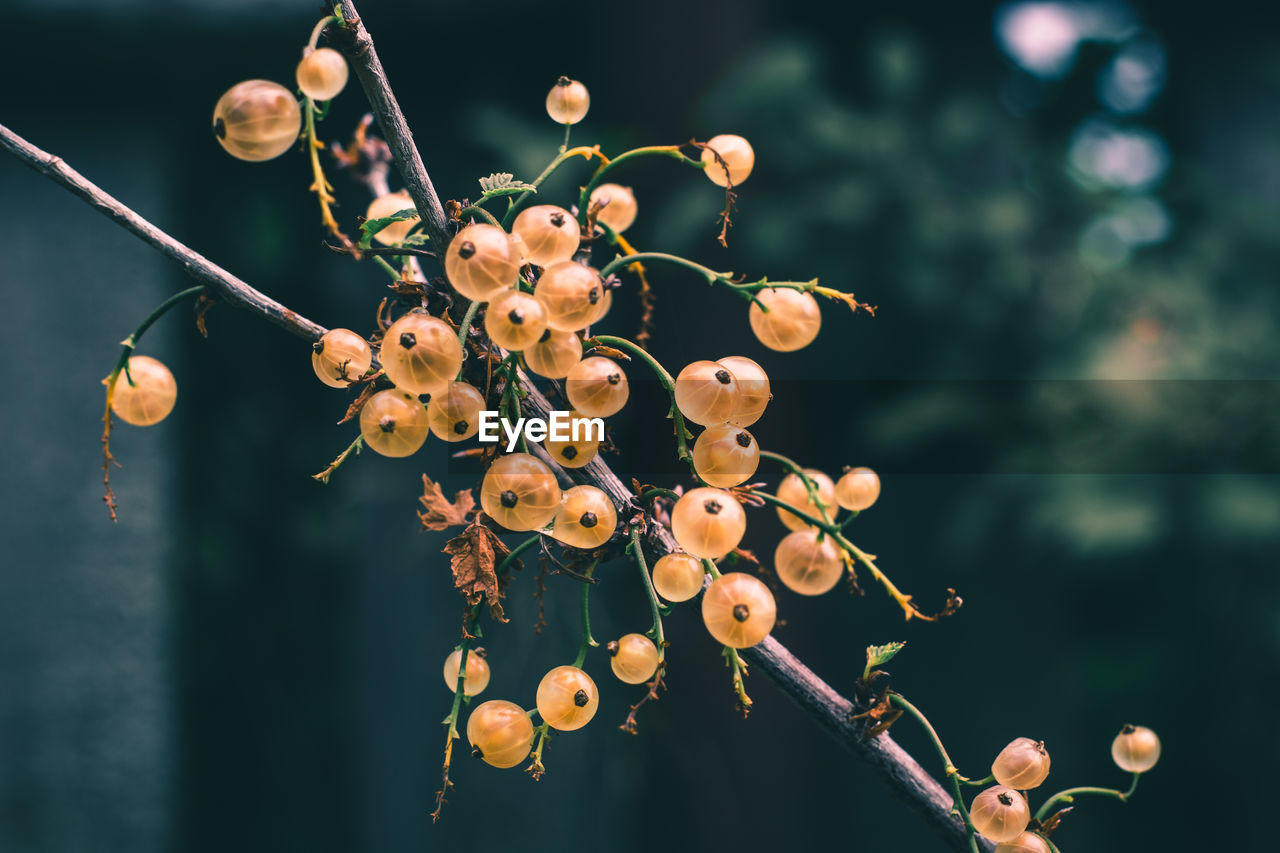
(476, 553)
(440, 513)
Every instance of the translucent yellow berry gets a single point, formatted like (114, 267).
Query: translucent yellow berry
(1022, 765)
(1027, 842)
(567, 698)
(586, 518)
(515, 320)
(753, 382)
(737, 155)
(707, 393)
(1136, 749)
(725, 455)
(340, 357)
(393, 423)
(520, 492)
(257, 120)
(389, 205)
(322, 74)
(677, 576)
(570, 293)
(1000, 814)
(555, 354)
(858, 489)
(738, 610)
(568, 101)
(793, 491)
(806, 565)
(574, 453)
(500, 732)
(420, 353)
(454, 413)
(597, 387)
(792, 321)
(481, 261)
(149, 397)
(549, 234)
(708, 523)
(617, 206)
(477, 672)
(634, 658)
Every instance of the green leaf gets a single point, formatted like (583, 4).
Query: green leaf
(417, 238)
(501, 184)
(880, 655)
(372, 226)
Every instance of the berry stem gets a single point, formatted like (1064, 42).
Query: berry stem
(564, 156)
(646, 291)
(809, 485)
(953, 775)
(320, 185)
(867, 560)
(588, 641)
(655, 633)
(122, 365)
(354, 446)
(476, 210)
(739, 678)
(517, 551)
(536, 769)
(709, 567)
(682, 445)
(463, 328)
(451, 721)
(319, 28)
(672, 151)
(1070, 794)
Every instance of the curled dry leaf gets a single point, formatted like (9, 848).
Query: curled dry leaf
(476, 553)
(440, 513)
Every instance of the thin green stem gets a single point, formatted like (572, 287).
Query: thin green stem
(1070, 794)
(543, 733)
(354, 447)
(475, 210)
(739, 677)
(710, 568)
(561, 159)
(744, 289)
(390, 270)
(810, 486)
(655, 633)
(952, 774)
(867, 560)
(463, 328)
(564, 146)
(517, 551)
(459, 692)
(588, 641)
(672, 151)
(319, 28)
(635, 350)
(130, 343)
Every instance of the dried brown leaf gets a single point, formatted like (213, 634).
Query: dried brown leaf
(440, 513)
(476, 553)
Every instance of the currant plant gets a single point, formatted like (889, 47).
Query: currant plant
(525, 289)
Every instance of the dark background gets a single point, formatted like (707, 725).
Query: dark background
(251, 661)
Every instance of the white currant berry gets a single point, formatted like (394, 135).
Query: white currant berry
(568, 101)
(548, 233)
(322, 74)
(808, 564)
(708, 523)
(340, 357)
(1022, 765)
(1000, 814)
(753, 382)
(149, 397)
(257, 120)
(1136, 749)
(725, 456)
(707, 393)
(858, 489)
(615, 206)
(791, 322)
(735, 152)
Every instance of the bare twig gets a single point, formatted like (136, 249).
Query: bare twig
(817, 699)
(200, 268)
(353, 40)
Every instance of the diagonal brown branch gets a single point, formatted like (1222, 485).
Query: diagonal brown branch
(357, 46)
(904, 776)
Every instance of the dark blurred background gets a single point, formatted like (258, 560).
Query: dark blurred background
(1031, 193)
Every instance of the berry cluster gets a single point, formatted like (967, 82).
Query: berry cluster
(524, 287)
